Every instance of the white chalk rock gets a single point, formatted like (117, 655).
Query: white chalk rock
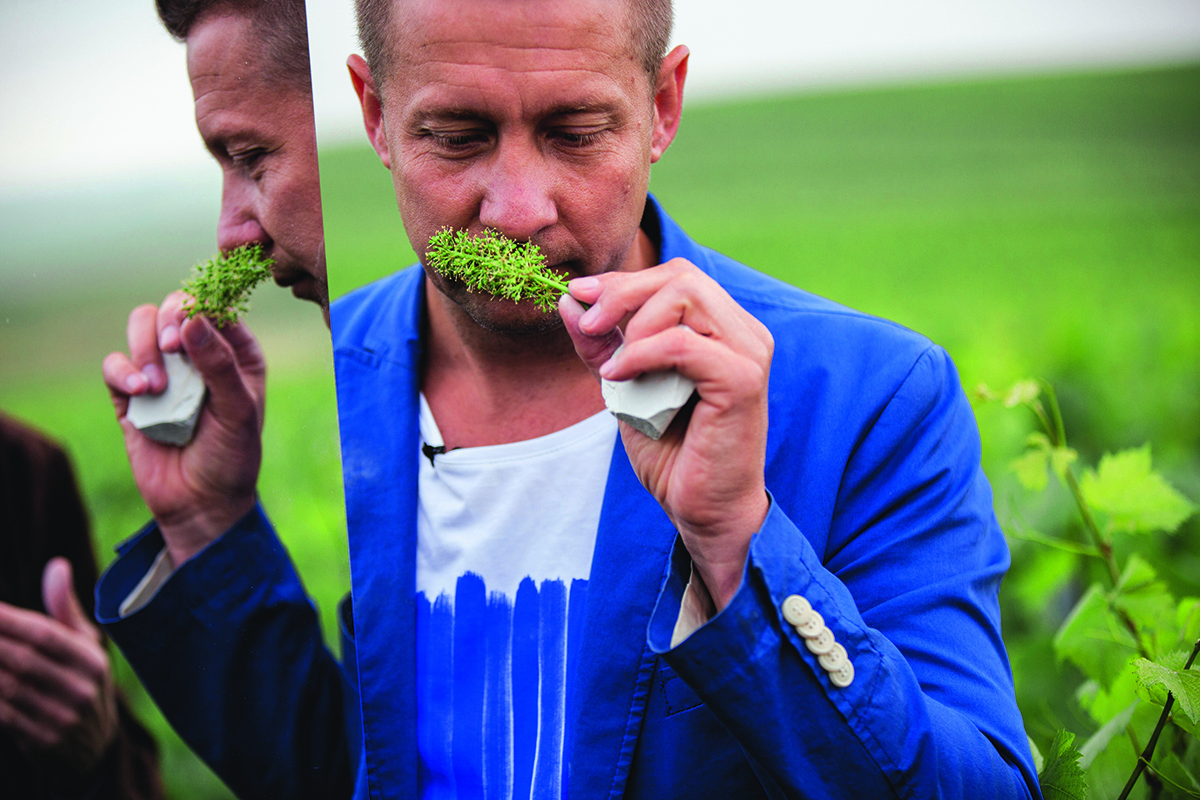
(648, 402)
(171, 417)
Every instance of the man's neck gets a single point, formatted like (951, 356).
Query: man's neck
(486, 388)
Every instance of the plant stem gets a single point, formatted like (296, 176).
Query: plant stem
(1089, 522)
(1162, 722)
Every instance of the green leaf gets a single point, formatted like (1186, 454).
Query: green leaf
(1187, 617)
(1031, 470)
(1144, 598)
(1038, 761)
(1102, 704)
(1093, 638)
(1135, 498)
(1109, 730)
(1022, 392)
(1061, 459)
(1173, 770)
(1062, 778)
(1185, 685)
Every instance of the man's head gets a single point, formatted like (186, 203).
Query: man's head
(249, 70)
(538, 118)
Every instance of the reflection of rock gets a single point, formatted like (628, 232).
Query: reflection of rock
(171, 417)
(648, 402)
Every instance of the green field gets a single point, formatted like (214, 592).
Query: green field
(1033, 226)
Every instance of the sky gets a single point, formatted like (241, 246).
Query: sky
(96, 93)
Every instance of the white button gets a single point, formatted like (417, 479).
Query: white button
(812, 625)
(843, 676)
(820, 644)
(834, 659)
(796, 609)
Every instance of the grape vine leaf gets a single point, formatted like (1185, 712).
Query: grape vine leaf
(1173, 770)
(1038, 761)
(1183, 684)
(1187, 617)
(1107, 732)
(1135, 498)
(1031, 468)
(1144, 598)
(1093, 638)
(1062, 778)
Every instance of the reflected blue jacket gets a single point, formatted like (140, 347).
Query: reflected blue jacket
(880, 517)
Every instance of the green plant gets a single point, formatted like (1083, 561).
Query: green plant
(1128, 634)
(497, 265)
(219, 287)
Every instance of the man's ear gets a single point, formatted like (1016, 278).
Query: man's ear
(668, 101)
(372, 106)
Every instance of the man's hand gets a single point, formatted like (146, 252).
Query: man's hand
(199, 491)
(707, 469)
(56, 690)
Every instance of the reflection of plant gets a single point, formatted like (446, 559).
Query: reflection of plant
(497, 265)
(219, 286)
(1130, 638)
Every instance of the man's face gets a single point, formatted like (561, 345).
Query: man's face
(262, 135)
(534, 118)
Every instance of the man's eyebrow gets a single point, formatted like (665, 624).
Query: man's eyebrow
(462, 114)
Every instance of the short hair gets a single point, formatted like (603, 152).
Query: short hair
(281, 25)
(650, 24)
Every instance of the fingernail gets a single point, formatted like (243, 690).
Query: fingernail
(584, 284)
(169, 337)
(154, 375)
(203, 332)
(135, 383)
(607, 369)
(589, 317)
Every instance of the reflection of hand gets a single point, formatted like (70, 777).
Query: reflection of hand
(56, 691)
(706, 471)
(199, 491)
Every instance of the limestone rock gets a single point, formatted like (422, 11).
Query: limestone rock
(171, 417)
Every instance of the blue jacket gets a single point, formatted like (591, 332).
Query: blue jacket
(880, 516)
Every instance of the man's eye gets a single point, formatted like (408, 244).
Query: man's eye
(458, 142)
(248, 159)
(576, 140)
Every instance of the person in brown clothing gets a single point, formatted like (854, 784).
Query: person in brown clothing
(65, 731)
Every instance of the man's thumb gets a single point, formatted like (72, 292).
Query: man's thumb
(58, 595)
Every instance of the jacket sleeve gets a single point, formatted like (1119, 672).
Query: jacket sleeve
(231, 651)
(907, 585)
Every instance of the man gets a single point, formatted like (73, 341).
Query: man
(800, 602)
(248, 66)
(64, 729)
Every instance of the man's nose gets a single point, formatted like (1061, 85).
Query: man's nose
(239, 222)
(519, 195)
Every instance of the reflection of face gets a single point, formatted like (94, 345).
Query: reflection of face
(262, 135)
(541, 131)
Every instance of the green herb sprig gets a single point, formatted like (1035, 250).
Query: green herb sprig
(219, 287)
(494, 264)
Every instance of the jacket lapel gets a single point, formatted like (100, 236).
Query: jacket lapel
(377, 410)
(615, 664)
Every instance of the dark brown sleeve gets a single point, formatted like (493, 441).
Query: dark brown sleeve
(42, 516)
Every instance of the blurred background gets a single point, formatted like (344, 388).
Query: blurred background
(1019, 181)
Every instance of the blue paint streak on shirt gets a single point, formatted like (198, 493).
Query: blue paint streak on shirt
(491, 679)
(497, 728)
(435, 695)
(470, 606)
(574, 634)
(525, 674)
(548, 770)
